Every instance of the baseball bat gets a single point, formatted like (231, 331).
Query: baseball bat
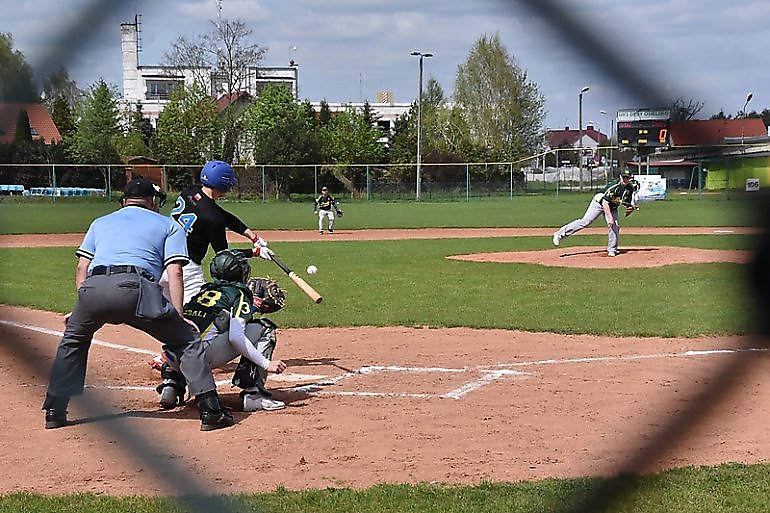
(302, 284)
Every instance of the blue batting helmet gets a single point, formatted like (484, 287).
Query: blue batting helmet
(218, 175)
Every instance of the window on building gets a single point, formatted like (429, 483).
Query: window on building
(161, 89)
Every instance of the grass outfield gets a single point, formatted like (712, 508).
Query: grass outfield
(68, 216)
(409, 283)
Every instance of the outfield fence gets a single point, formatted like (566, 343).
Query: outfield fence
(466, 181)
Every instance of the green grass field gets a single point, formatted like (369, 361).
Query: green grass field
(66, 216)
(410, 283)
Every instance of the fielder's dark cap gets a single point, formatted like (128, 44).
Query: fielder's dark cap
(141, 187)
(627, 172)
(324, 189)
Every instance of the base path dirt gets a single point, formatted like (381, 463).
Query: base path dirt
(387, 405)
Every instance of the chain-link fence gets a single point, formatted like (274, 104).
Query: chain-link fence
(363, 182)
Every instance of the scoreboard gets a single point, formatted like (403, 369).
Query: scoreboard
(643, 128)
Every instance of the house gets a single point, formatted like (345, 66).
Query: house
(40, 122)
(570, 138)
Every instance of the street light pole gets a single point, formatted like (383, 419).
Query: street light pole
(421, 55)
(580, 133)
(743, 116)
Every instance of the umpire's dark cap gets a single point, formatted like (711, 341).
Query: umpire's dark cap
(141, 187)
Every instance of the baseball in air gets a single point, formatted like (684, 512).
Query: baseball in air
(311, 269)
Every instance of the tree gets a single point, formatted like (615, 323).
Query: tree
(349, 139)
(93, 142)
(17, 83)
(403, 140)
(227, 50)
(765, 115)
(59, 86)
(324, 113)
(139, 134)
(61, 113)
(188, 130)
(495, 98)
(281, 132)
(684, 110)
(23, 134)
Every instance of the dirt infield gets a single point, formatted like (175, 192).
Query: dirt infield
(384, 405)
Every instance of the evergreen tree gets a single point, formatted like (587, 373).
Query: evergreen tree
(93, 142)
(23, 134)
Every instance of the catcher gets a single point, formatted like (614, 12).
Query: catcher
(226, 311)
(619, 192)
(323, 206)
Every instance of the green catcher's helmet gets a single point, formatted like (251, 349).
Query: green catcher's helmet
(230, 266)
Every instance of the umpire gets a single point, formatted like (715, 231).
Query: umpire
(120, 262)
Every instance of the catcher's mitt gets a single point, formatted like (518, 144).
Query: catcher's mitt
(268, 296)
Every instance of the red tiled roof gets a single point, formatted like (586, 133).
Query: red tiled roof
(225, 100)
(700, 132)
(558, 138)
(39, 119)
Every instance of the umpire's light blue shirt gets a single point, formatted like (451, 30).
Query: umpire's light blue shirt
(135, 236)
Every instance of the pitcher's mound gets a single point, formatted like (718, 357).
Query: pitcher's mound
(596, 257)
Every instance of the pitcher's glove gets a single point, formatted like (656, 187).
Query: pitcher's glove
(268, 296)
(630, 210)
(340, 212)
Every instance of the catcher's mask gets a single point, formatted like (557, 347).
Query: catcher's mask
(230, 266)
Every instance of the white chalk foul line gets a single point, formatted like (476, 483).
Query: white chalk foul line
(97, 342)
(593, 359)
(502, 369)
(488, 377)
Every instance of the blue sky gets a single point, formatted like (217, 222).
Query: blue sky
(630, 54)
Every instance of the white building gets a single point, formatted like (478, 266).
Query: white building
(151, 85)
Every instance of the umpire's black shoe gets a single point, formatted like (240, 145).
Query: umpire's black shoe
(213, 415)
(55, 418)
(216, 419)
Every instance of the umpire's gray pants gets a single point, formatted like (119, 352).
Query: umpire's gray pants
(115, 299)
(593, 211)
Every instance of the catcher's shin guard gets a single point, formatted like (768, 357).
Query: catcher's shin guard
(249, 375)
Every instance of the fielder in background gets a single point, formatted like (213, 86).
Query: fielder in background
(621, 191)
(206, 223)
(227, 313)
(325, 205)
(120, 261)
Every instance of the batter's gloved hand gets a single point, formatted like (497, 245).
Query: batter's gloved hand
(263, 252)
(630, 210)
